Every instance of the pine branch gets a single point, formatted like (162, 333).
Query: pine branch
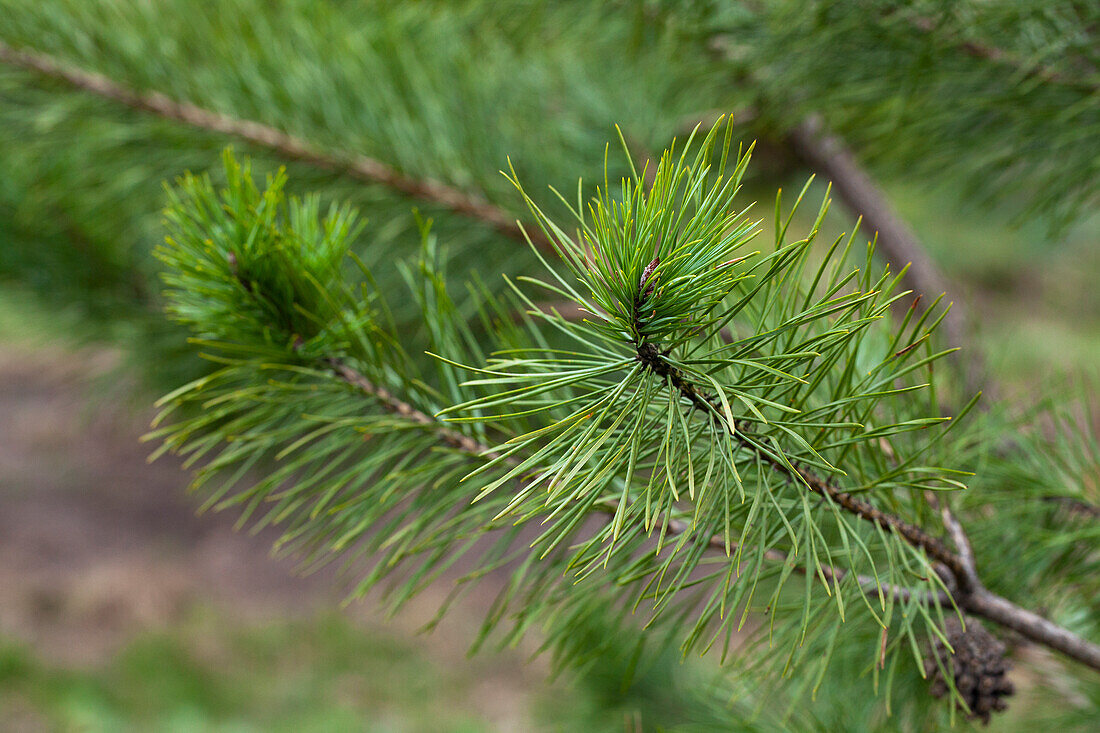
(403, 409)
(971, 596)
(636, 298)
(281, 395)
(359, 167)
(983, 603)
(649, 355)
(1000, 56)
(675, 526)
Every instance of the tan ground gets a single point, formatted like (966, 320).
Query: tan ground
(97, 545)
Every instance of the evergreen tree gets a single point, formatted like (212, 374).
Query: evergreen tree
(672, 434)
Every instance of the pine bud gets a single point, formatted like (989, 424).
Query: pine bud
(647, 273)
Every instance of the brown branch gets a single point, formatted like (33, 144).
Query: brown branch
(968, 578)
(981, 602)
(649, 356)
(977, 600)
(398, 407)
(356, 166)
(970, 594)
(827, 154)
(675, 526)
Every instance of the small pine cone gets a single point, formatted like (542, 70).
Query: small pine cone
(978, 668)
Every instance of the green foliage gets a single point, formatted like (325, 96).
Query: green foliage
(573, 420)
(437, 92)
(652, 464)
(275, 278)
(1000, 97)
(668, 291)
(446, 91)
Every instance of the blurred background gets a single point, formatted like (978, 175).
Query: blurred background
(969, 133)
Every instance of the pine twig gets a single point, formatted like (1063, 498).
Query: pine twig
(649, 356)
(403, 409)
(999, 56)
(968, 578)
(356, 166)
(971, 595)
(675, 526)
(977, 600)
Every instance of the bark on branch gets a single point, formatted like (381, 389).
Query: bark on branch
(969, 595)
(977, 601)
(709, 406)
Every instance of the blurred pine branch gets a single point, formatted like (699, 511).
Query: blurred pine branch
(391, 106)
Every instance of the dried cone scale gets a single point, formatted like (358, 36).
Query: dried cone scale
(978, 667)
